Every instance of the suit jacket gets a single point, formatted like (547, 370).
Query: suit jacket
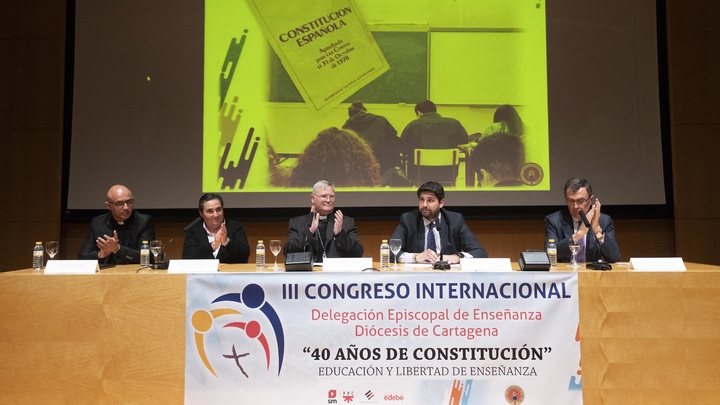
(197, 246)
(345, 244)
(137, 228)
(455, 236)
(559, 226)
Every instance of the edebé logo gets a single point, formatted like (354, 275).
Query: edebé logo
(394, 397)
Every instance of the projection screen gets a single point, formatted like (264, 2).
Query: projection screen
(174, 99)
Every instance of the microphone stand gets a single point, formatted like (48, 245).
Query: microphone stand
(165, 264)
(441, 264)
(599, 265)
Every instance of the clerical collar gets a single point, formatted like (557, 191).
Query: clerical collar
(322, 217)
(121, 222)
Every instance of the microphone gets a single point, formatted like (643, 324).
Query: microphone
(441, 264)
(599, 265)
(164, 265)
(187, 228)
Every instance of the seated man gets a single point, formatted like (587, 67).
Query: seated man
(324, 231)
(215, 237)
(431, 230)
(566, 226)
(430, 130)
(115, 237)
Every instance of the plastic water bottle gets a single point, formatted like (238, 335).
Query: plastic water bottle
(38, 256)
(552, 252)
(145, 254)
(384, 254)
(260, 255)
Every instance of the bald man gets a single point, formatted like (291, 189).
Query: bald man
(115, 237)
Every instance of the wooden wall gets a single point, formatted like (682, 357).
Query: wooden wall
(693, 43)
(32, 45)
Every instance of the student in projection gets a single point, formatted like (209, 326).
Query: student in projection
(496, 159)
(382, 137)
(340, 155)
(430, 131)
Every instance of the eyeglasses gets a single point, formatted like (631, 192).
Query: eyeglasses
(327, 197)
(580, 201)
(120, 204)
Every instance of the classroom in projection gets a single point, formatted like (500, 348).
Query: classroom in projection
(229, 97)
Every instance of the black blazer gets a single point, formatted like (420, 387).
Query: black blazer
(559, 226)
(140, 227)
(197, 246)
(455, 235)
(345, 244)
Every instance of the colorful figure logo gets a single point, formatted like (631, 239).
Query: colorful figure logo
(253, 297)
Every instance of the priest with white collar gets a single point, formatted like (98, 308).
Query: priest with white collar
(324, 231)
(115, 237)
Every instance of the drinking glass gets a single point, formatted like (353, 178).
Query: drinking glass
(155, 248)
(52, 247)
(574, 247)
(395, 245)
(275, 249)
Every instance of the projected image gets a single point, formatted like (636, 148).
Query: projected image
(375, 96)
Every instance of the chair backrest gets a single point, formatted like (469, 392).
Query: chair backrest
(437, 157)
(444, 162)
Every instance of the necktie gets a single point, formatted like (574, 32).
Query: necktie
(431, 238)
(581, 252)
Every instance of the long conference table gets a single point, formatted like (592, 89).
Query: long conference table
(118, 336)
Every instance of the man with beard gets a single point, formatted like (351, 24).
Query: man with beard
(324, 231)
(115, 237)
(215, 237)
(431, 230)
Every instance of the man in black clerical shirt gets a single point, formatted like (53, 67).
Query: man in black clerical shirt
(324, 231)
(115, 237)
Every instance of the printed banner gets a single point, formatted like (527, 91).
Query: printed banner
(420, 338)
(325, 47)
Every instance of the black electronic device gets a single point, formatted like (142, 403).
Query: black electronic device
(300, 261)
(441, 265)
(534, 261)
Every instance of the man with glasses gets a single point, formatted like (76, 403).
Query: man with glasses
(566, 226)
(115, 237)
(324, 231)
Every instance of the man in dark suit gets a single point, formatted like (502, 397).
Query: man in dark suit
(215, 237)
(115, 237)
(431, 230)
(324, 231)
(566, 227)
